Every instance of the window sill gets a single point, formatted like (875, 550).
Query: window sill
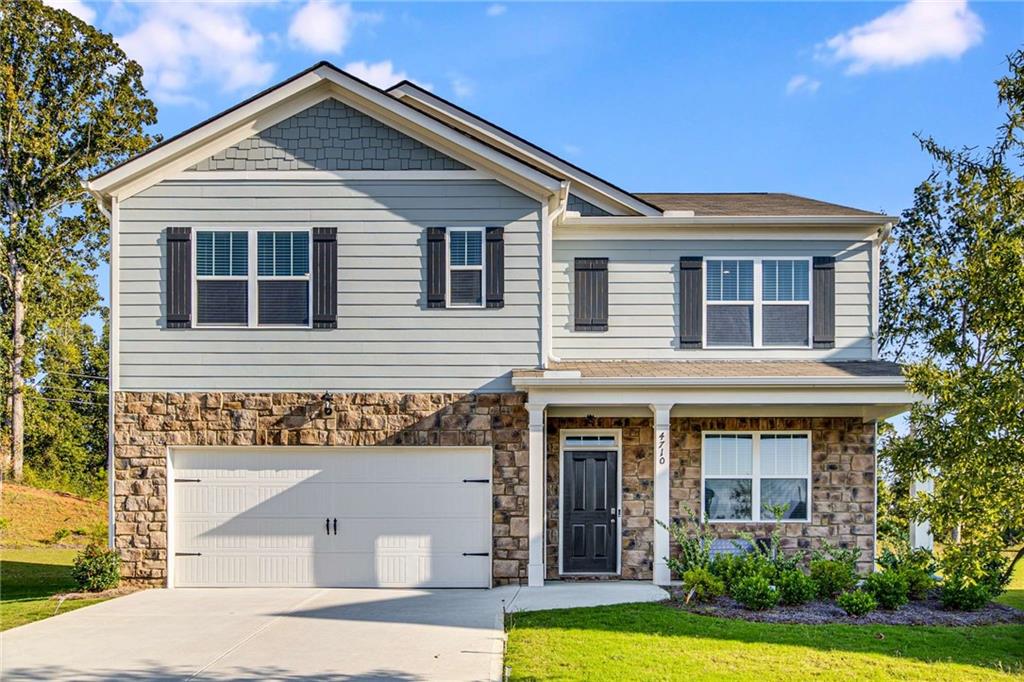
(749, 522)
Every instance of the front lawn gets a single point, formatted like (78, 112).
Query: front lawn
(652, 641)
(27, 579)
(1014, 595)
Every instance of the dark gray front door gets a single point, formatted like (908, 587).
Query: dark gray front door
(589, 523)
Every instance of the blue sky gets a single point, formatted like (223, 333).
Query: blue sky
(814, 99)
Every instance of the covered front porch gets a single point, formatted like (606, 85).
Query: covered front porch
(617, 448)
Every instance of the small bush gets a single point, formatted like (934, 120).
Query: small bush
(795, 588)
(693, 537)
(727, 567)
(756, 593)
(60, 535)
(702, 584)
(96, 569)
(845, 555)
(832, 577)
(903, 557)
(889, 588)
(857, 603)
(919, 582)
(959, 595)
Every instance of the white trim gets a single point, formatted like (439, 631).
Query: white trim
(662, 413)
(328, 175)
(113, 361)
(871, 221)
(640, 382)
(758, 302)
(571, 229)
(482, 268)
(755, 474)
(171, 502)
(537, 495)
(563, 447)
(875, 275)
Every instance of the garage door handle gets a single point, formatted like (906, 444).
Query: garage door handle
(327, 525)
(476, 554)
(335, 526)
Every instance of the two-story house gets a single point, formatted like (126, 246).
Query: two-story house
(367, 338)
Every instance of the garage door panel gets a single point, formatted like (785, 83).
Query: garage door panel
(409, 500)
(413, 535)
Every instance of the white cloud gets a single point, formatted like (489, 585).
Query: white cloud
(322, 26)
(462, 86)
(76, 7)
(909, 34)
(382, 74)
(496, 10)
(802, 83)
(184, 47)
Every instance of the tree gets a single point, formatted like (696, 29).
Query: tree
(73, 104)
(953, 293)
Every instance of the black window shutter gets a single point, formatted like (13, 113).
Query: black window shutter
(691, 302)
(179, 277)
(591, 300)
(437, 266)
(325, 278)
(824, 287)
(495, 267)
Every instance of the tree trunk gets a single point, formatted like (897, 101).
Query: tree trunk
(17, 378)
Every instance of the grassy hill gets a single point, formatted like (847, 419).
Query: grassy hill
(30, 517)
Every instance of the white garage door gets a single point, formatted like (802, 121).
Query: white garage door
(376, 517)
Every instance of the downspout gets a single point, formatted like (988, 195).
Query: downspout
(876, 281)
(554, 217)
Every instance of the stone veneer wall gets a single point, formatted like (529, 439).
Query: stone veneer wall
(146, 424)
(637, 490)
(842, 480)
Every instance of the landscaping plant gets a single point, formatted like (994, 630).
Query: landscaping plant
(832, 577)
(889, 588)
(857, 603)
(97, 569)
(756, 593)
(702, 585)
(960, 594)
(693, 537)
(795, 588)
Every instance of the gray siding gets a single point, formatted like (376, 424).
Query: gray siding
(329, 136)
(643, 298)
(387, 340)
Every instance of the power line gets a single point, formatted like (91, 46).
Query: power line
(71, 402)
(73, 374)
(66, 388)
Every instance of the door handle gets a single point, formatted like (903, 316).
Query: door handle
(613, 512)
(327, 526)
(335, 526)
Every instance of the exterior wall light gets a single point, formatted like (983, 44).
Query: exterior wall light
(328, 408)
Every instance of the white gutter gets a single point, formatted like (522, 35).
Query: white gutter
(758, 382)
(554, 217)
(695, 220)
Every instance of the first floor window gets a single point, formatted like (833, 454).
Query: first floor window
(754, 476)
(248, 278)
(465, 267)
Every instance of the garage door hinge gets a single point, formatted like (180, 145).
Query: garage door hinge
(186, 480)
(188, 554)
(476, 554)
(476, 480)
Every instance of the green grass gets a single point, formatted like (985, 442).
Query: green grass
(1014, 595)
(655, 642)
(27, 579)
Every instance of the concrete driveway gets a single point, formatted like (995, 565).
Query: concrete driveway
(291, 634)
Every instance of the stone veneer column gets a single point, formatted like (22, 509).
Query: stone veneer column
(535, 569)
(662, 487)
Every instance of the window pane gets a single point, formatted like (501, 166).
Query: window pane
(769, 276)
(730, 325)
(457, 247)
(728, 455)
(801, 281)
(784, 280)
(223, 302)
(714, 277)
(222, 253)
(300, 253)
(240, 254)
(728, 499)
(474, 248)
(784, 325)
(284, 302)
(466, 287)
(784, 455)
(265, 254)
(790, 493)
(204, 253)
(745, 280)
(283, 253)
(729, 280)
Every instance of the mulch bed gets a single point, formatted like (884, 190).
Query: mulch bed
(927, 612)
(105, 594)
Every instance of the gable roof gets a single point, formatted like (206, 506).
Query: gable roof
(749, 204)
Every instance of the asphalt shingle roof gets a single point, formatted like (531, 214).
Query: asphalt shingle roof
(748, 204)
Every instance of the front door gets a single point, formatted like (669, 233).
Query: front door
(589, 522)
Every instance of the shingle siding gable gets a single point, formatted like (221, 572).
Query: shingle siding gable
(329, 135)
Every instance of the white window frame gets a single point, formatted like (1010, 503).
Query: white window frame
(757, 301)
(252, 279)
(564, 445)
(450, 268)
(755, 475)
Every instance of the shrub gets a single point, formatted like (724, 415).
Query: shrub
(702, 585)
(795, 588)
(756, 593)
(919, 582)
(857, 603)
(903, 557)
(60, 535)
(832, 576)
(694, 545)
(959, 595)
(96, 569)
(889, 588)
(967, 564)
(845, 555)
(727, 567)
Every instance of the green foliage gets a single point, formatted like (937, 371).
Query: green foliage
(756, 593)
(702, 585)
(916, 565)
(953, 313)
(60, 535)
(795, 588)
(772, 552)
(959, 595)
(919, 582)
(832, 576)
(857, 603)
(693, 537)
(97, 569)
(889, 588)
(845, 555)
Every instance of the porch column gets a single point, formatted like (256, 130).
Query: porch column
(662, 575)
(535, 570)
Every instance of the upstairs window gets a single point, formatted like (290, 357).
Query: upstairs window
(222, 273)
(757, 303)
(465, 267)
(283, 278)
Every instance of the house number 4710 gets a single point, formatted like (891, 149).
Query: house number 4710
(661, 448)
